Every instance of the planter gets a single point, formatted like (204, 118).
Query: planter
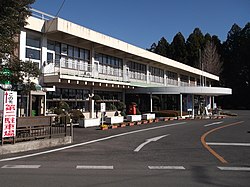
(114, 119)
(93, 122)
(144, 122)
(134, 118)
(148, 116)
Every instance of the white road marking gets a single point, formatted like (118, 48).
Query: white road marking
(215, 123)
(148, 141)
(89, 142)
(167, 167)
(234, 168)
(230, 144)
(22, 166)
(94, 167)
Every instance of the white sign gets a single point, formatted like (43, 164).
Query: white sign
(103, 107)
(9, 114)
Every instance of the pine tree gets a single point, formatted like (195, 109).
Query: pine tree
(178, 48)
(195, 42)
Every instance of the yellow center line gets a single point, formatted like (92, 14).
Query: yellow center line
(203, 137)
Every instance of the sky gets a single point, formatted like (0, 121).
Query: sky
(143, 22)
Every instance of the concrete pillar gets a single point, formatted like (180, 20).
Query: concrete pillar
(213, 102)
(165, 78)
(22, 46)
(178, 79)
(151, 102)
(91, 104)
(192, 105)
(148, 74)
(43, 50)
(181, 104)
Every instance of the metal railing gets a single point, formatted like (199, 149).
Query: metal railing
(38, 127)
(41, 15)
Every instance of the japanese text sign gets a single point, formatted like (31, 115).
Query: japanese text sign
(9, 114)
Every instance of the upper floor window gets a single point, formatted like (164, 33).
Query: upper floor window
(33, 47)
(137, 67)
(157, 71)
(33, 41)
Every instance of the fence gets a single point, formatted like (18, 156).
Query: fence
(38, 127)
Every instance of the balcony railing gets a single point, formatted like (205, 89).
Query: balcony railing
(80, 68)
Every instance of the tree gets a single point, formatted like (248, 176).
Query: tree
(237, 66)
(13, 15)
(211, 59)
(195, 42)
(178, 48)
(162, 48)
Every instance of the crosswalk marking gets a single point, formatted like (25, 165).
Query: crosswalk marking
(94, 167)
(234, 168)
(22, 166)
(167, 167)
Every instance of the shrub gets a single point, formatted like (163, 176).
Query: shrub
(76, 115)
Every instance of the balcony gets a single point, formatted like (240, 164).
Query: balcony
(77, 70)
(82, 71)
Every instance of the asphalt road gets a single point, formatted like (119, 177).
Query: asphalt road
(173, 153)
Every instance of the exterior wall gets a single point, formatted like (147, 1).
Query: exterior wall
(112, 65)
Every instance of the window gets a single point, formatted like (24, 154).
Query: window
(49, 57)
(33, 54)
(33, 47)
(70, 51)
(51, 45)
(76, 52)
(33, 41)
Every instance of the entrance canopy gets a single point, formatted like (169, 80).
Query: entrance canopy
(208, 91)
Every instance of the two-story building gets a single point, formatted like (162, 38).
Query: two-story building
(77, 62)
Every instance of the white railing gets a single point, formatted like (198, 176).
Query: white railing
(84, 69)
(41, 15)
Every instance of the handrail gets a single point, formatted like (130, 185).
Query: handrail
(41, 15)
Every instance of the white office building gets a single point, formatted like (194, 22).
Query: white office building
(77, 62)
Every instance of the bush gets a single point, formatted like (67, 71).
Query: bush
(76, 115)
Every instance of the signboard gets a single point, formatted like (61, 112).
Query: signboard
(9, 114)
(103, 107)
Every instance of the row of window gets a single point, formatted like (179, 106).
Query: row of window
(58, 50)
(63, 93)
(108, 60)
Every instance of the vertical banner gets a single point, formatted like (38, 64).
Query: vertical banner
(9, 114)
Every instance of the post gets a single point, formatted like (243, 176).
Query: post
(151, 102)
(181, 104)
(71, 132)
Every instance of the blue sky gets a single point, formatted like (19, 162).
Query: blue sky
(142, 22)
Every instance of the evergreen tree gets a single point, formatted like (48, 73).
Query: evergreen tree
(163, 47)
(178, 49)
(195, 42)
(13, 15)
(237, 66)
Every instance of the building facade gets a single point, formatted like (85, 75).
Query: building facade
(77, 63)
